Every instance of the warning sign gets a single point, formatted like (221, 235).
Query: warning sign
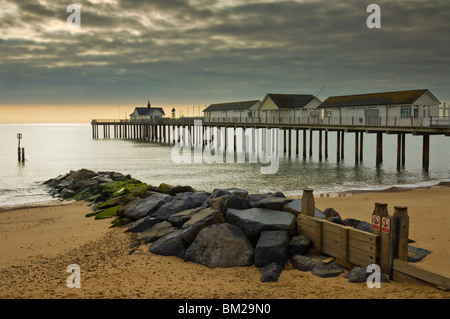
(385, 225)
(375, 222)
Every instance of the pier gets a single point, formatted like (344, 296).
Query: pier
(165, 130)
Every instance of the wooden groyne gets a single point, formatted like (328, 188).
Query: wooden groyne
(174, 130)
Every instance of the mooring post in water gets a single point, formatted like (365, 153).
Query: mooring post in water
(23, 154)
(19, 137)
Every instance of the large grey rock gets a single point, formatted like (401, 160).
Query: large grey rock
(200, 220)
(270, 202)
(217, 192)
(333, 216)
(221, 245)
(255, 198)
(253, 221)
(295, 207)
(242, 193)
(146, 206)
(272, 247)
(171, 244)
(271, 272)
(178, 219)
(299, 245)
(141, 225)
(155, 232)
(179, 203)
(223, 203)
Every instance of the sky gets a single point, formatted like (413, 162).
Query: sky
(188, 54)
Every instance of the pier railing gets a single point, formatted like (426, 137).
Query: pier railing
(349, 121)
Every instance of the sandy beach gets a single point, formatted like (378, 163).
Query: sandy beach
(39, 243)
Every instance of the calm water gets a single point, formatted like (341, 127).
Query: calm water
(52, 150)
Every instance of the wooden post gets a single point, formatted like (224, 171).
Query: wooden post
(308, 203)
(326, 144)
(296, 141)
(401, 214)
(356, 148)
(23, 154)
(289, 142)
(342, 144)
(343, 244)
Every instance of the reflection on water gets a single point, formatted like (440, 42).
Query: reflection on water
(56, 149)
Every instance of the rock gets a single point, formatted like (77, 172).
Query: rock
(253, 221)
(180, 189)
(351, 222)
(217, 192)
(333, 216)
(360, 274)
(221, 245)
(310, 263)
(416, 254)
(272, 247)
(242, 193)
(299, 245)
(171, 244)
(66, 193)
(223, 203)
(179, 203)
(141, 225)
(255, 198)
(155, 232)
(178, 219)
(327, 273)
(271, 272)
(364, 226)
(200, 220)
(304, 263)
(275, 203)
(147, 206)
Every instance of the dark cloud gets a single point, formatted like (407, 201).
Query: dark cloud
(201, 51)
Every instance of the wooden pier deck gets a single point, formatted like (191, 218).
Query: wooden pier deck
(171, 130)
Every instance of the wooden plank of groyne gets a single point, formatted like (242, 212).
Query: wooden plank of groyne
(420, 273)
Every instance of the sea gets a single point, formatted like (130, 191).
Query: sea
(52, 150)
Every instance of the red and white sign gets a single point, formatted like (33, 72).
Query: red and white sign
(385, 225)
(375, 222)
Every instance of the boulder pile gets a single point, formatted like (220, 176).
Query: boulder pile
(222, 228)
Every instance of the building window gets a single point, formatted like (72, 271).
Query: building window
(328, 113)
(405, 111)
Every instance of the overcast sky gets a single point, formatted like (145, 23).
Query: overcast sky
(198, 52)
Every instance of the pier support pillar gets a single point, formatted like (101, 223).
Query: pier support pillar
(304, 144)
(342, 144)
(399, 150)
(379, 154)
(320, 145)
(297, 135)
(426, 152)
(361, 147)
(403, 149)
(310, 142)
(289, 142)
(338, 146)
(326, 144)
(356, 148)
